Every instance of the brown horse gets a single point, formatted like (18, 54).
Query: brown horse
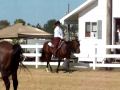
(63, 51)
(10, 57)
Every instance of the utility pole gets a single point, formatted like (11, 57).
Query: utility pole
(68, 8)
(68, 26)
(109, 29)
(109, 25)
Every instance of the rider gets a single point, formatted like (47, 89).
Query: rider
(58, 36)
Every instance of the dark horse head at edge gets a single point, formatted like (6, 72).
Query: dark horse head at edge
(10, 57)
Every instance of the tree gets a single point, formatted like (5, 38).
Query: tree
(4, 23)
(19, 21)
(38, 26)
(49, 26)
(74, 29)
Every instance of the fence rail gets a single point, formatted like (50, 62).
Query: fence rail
(105, 56)
(36, 54)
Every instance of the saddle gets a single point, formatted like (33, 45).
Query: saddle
(59, 46)
(55, 48)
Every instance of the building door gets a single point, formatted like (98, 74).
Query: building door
(117, 30)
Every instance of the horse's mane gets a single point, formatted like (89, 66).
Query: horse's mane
(69, 44)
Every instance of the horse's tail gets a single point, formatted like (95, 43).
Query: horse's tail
(18, 56)
(43, 52)
(42, 55)
(17, 52)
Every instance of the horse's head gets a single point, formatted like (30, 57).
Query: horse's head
(75, 46)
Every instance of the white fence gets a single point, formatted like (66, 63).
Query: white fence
(95, 63)
(36, 54)
(105, 56)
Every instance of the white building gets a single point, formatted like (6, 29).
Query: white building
(91, 18)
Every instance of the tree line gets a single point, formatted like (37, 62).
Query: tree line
(48, 27)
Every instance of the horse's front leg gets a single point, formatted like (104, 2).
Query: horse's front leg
(58, 65)
(47, 67)
(6, 81)
(50, 67)
(15, 80)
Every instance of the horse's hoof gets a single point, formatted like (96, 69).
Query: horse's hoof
(47, 70)
(57, 72)
(65, 72)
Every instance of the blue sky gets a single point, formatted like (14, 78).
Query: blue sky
(36, 11)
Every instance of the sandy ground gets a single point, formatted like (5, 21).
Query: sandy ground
(82, 79)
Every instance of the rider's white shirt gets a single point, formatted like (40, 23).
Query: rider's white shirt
(58, 32)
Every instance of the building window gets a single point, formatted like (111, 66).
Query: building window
(94, 26)
(90, 29)
(87, 29)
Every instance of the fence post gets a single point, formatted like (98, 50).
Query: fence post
(95, 57)
(37, 57)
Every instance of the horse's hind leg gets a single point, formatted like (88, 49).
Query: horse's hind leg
(50, 67)
(58, 66)
(47, 67)
(6, 81)
(15, 80)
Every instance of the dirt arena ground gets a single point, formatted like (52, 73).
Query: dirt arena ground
(82, 79)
